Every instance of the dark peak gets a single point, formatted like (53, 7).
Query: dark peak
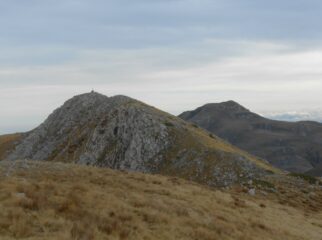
(228, 105)
(230, 102)
(232, 105)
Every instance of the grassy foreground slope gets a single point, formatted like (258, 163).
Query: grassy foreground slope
(41, 200)
(7, 143)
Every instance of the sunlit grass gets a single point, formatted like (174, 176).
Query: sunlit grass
(59, 201)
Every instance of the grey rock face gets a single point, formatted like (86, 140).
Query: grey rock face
(122, 133)
(96, 130)
(252, 192)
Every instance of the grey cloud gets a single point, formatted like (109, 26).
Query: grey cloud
(174, 54)
(132, 24)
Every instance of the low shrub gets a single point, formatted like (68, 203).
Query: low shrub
(308, 178)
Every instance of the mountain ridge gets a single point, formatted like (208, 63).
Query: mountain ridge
(292, 146)
(123, 133)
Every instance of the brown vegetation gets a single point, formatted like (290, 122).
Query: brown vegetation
(7, 143)
(65, 201)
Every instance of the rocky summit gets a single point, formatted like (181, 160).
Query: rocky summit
(292, 146)
(122, 133)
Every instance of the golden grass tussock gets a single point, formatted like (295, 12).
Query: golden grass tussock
(7, 143)
(66, 201)
(213, 142)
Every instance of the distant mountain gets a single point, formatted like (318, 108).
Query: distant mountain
(122, 133)
(292, 146)
(295, 116)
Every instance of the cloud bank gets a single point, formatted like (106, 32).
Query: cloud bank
(173, 54)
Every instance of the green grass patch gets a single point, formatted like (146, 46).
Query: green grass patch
(212, 136)
(264, 184)
(309, 179)
(169, 124)
(195, 125)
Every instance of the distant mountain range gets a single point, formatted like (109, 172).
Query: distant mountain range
(122, 133)
(294, 116)
(292, 146)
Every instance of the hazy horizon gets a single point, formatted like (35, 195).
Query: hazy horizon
(173, 54)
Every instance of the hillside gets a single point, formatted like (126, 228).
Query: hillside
(41, 200)
(122, 133)
(294, 147)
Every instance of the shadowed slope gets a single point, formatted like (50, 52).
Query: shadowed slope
(290, 146)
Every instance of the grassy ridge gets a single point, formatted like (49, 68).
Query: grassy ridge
(65, 201)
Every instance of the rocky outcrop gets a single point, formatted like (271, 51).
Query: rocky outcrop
(122, 133)
(93, 129)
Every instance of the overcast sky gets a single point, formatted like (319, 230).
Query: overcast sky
(172, 54)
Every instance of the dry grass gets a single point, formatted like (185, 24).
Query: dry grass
(7, 143)
(213, 142)
(61, 201)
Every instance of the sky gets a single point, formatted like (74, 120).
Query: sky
(173, 54)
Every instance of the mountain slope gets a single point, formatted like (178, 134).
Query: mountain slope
(122, 133)
(290, 146)
(41, 200)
